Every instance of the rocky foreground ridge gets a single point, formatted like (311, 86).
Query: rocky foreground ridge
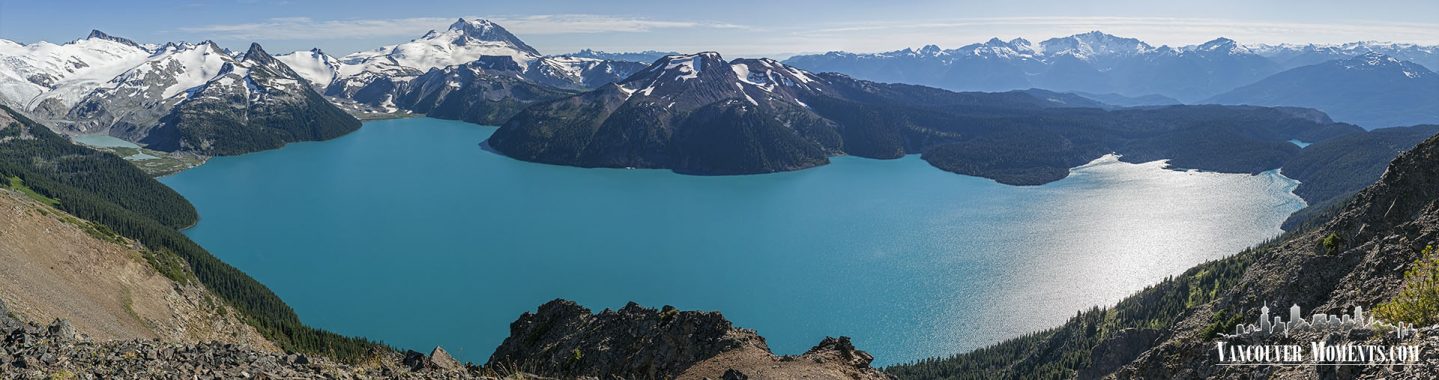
(562, 340)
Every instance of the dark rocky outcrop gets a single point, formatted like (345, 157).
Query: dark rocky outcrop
(563, 339)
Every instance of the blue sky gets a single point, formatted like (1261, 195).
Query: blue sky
(732, 27)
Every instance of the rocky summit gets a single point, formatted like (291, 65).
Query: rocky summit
(565, 340)
(561, 340)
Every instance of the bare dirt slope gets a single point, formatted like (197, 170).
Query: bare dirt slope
(52, 267)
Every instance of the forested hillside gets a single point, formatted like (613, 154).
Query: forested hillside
(105, 189)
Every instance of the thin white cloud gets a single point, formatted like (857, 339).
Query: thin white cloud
(302, 28)
(570, 24)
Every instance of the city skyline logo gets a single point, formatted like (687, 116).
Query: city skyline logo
(1338, 340)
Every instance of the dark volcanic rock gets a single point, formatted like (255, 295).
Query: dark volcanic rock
(839, 350)
(564, 339)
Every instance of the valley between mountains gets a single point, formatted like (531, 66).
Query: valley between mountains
(94, 243)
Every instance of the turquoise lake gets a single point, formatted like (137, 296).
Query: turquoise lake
(407, 231)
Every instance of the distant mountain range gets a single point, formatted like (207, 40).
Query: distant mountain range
(646, 57)
(379, 78)
(179, 96)
(1127, 68)
(199, 97)
(1372, 90)
(202, 98)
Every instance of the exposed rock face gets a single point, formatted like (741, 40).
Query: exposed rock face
(7, 321)
(839, 350)
(487, 91)
(832, 358)
(566, 340)
(55, 352)
(578, 73)
(442, 360)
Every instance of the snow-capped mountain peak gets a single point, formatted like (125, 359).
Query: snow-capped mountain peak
(39, 72)
(573, 72)
(257, 55)
(371, 77)
(1017, 48)
(1220, 44)
(97, 34)
(677, 72)
(1094, 45)
(314, 65)
(770, 75)
(686, 67)
(484, 30)
(1376, 59)
(463, 42)
(1380, 63)
(176, 67)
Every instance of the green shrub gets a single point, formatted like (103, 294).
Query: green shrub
(1333, 243)
(1418, 301)
(1221, 322)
